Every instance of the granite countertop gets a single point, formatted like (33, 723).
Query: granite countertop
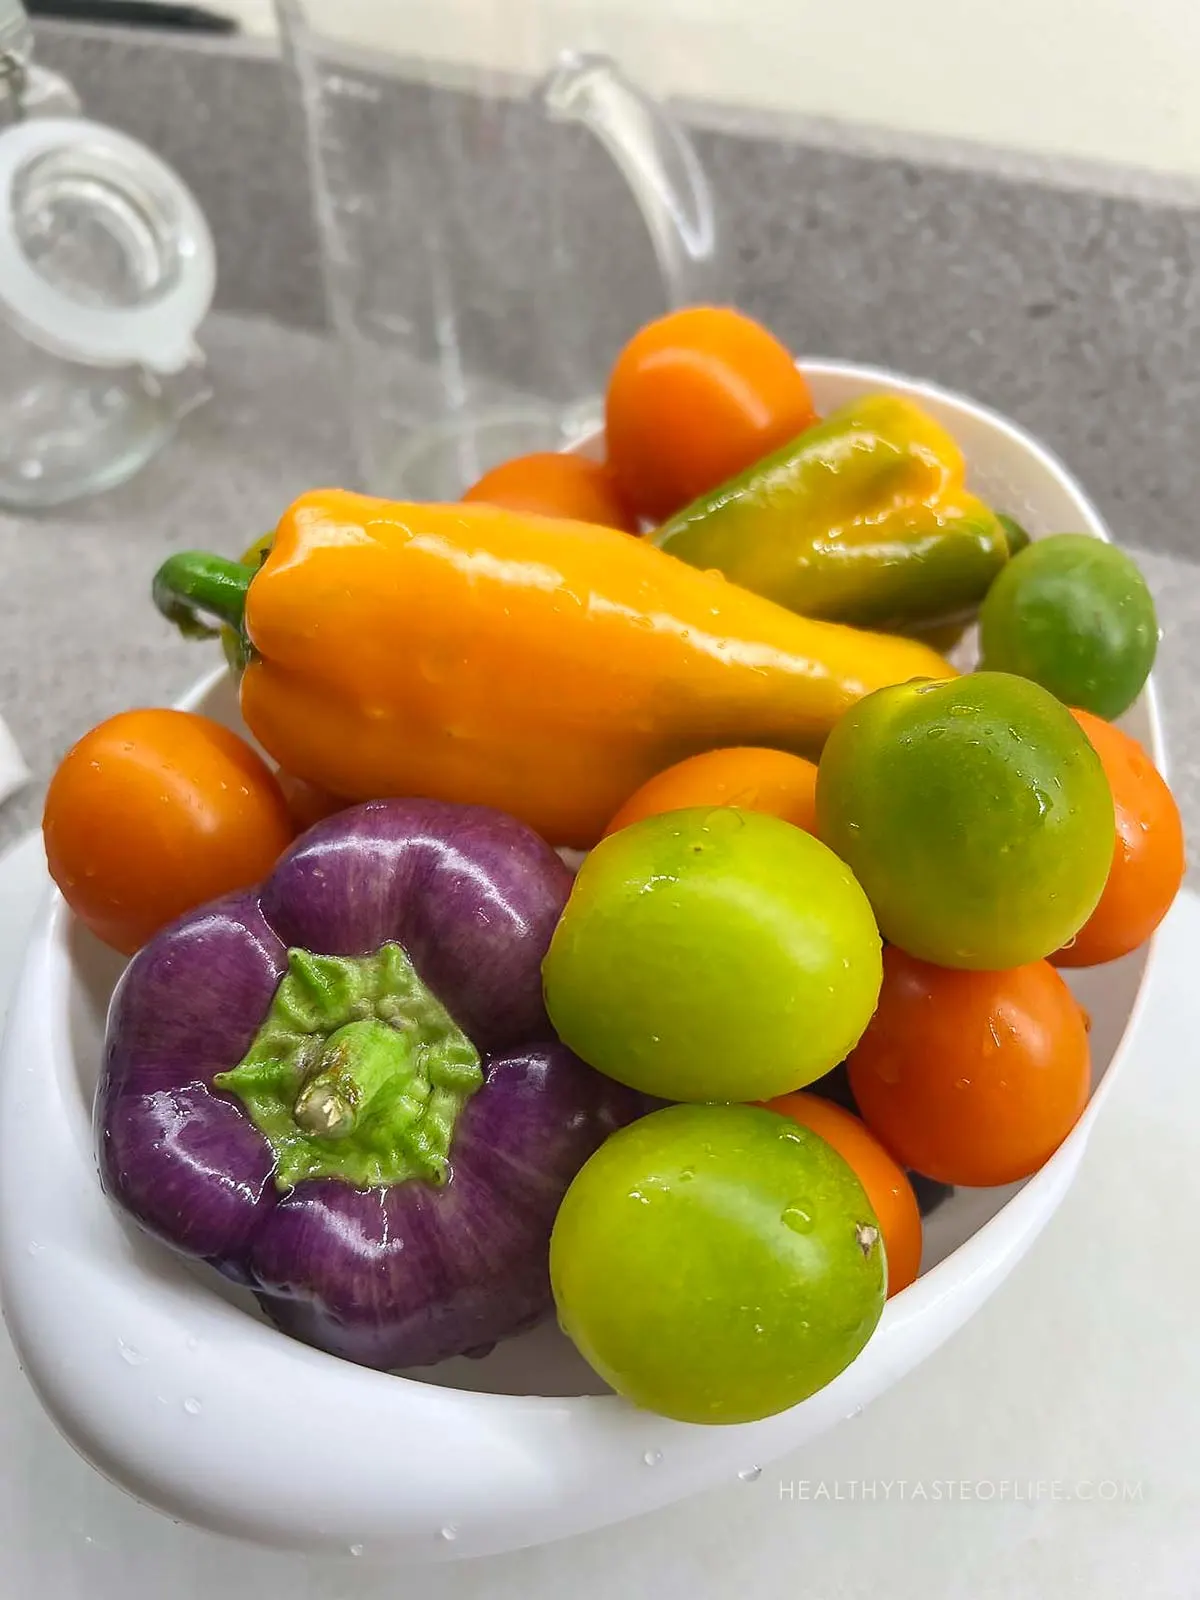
(80, 640)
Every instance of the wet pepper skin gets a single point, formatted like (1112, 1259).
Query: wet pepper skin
(863, 519)
(543, 667)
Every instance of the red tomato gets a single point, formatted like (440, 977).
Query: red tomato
(306, 803)
(972, 1078)
(1149, 858)
(549, 485)
(756, 780)
(153, 813)
(888, 1189)
(696, 398)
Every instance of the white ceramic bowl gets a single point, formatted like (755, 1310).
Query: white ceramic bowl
(183, 1395)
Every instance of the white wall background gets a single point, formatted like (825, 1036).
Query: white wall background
(1113, 80)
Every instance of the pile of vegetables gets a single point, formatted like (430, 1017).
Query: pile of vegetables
(384, 1058)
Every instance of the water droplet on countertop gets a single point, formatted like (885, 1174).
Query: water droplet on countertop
(797, 1219)
(34, 1248)
(852, 1416)
(750, 1474)
(652, 1457)
(130, 1356)
(191, 1342)
(192, 1406)
(356, 1549)
(448, 1532)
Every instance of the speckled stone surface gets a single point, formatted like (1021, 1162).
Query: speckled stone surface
(80, 640)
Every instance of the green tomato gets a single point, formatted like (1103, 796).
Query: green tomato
(713, 954)
(1075, 615)
(717, 1263)
(974, 813)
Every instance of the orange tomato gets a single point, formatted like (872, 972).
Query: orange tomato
(1149, 857)
(550, 485)
(972, 1078)
(756, 780)
(695, 398)
(888, 1189)
(153, 813)
(306, 803)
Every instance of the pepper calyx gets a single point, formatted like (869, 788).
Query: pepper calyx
(358, 1072)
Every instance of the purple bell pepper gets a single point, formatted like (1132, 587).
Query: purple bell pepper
(342, 1090)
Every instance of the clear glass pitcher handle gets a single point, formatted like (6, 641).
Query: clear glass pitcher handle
(657, 160)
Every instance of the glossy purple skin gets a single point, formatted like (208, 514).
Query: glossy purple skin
(388, 1277)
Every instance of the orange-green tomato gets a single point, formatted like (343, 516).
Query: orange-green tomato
(1149, 859)
(717, 1263)
(974, 813)
(713, 954)
(773, 781)
(154, 812)
(885, 1181)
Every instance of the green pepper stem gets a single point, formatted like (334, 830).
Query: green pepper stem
(197, 592)
(356, 1062)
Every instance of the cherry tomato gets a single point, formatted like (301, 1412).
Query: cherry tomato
(886, 1184)
(971, 1078)
(751, 779)
(306, 803)
(1149, 860)
(155, 812)
(717, 1263)
(695, 398)
(1075, 615)
(973, 812)
(557, 485)
(713, 954)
